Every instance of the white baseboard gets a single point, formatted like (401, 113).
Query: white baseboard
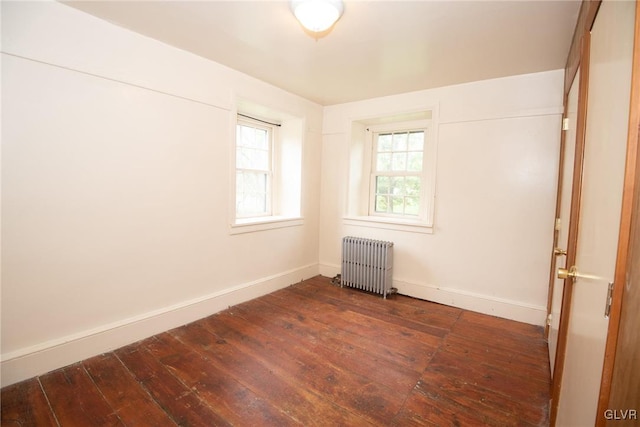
(37, 360)
(329, 270)
(507, 309)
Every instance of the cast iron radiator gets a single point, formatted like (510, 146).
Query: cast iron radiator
(367, 264)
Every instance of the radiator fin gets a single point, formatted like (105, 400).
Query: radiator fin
(367, 264)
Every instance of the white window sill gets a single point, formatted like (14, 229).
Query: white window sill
(387, 223)
(250, 225)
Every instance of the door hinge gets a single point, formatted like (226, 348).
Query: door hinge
(549, 317)
(607, 307)
(565, 123)
(558, 224)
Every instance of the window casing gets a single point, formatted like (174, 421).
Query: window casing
(391, 185)
(254, 169)
(265, 190)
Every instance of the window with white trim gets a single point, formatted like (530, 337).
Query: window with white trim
(254, 169)
(397, 173)
(266, 169)
(391, 177)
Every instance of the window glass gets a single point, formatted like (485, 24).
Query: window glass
(398, 173)
(253, 170)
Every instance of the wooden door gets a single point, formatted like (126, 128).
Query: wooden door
(583, 326)
(619, 403)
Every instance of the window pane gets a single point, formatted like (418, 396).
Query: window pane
(383, 162)
(384, 142)
(243, 158)
(397, 205)
(397, 185)
(260, 160)
(416, 141)
(255, 182)
(382, 185)
(382, 203)
(250, 158)
(414, 161)
(240, 130)
(399, 142)
(261, 139)
(251, 204)
(239, 181)
(251, 193)
(412, 186)
(399, 162)
(250, 137)
(411, 206)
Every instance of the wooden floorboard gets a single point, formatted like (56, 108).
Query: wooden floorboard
(181, 403)
(311, 354)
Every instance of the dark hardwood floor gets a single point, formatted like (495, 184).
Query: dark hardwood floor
(310, 354)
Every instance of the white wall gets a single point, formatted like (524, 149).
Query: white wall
(497, 163)
(115, 189)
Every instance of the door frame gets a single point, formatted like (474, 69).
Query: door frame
(630, 193)
(559, 195)
(579, 57)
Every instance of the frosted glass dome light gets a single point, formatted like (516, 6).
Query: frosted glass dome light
(317, 15)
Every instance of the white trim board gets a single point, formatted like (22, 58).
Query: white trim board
(37, 360)
(500, 307)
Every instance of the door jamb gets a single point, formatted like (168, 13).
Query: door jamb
(556, 232)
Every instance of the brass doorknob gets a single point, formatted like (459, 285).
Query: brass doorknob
(558, 251)
(564, 273)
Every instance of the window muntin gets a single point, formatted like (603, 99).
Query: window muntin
(254, 169)
(398, 177)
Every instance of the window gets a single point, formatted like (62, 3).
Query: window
(397, 168)
(391, 176)
(266, 169)
(254, 169)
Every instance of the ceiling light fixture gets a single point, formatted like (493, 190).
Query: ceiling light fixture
(317, 15)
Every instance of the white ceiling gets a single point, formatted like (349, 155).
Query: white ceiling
(377, 48)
